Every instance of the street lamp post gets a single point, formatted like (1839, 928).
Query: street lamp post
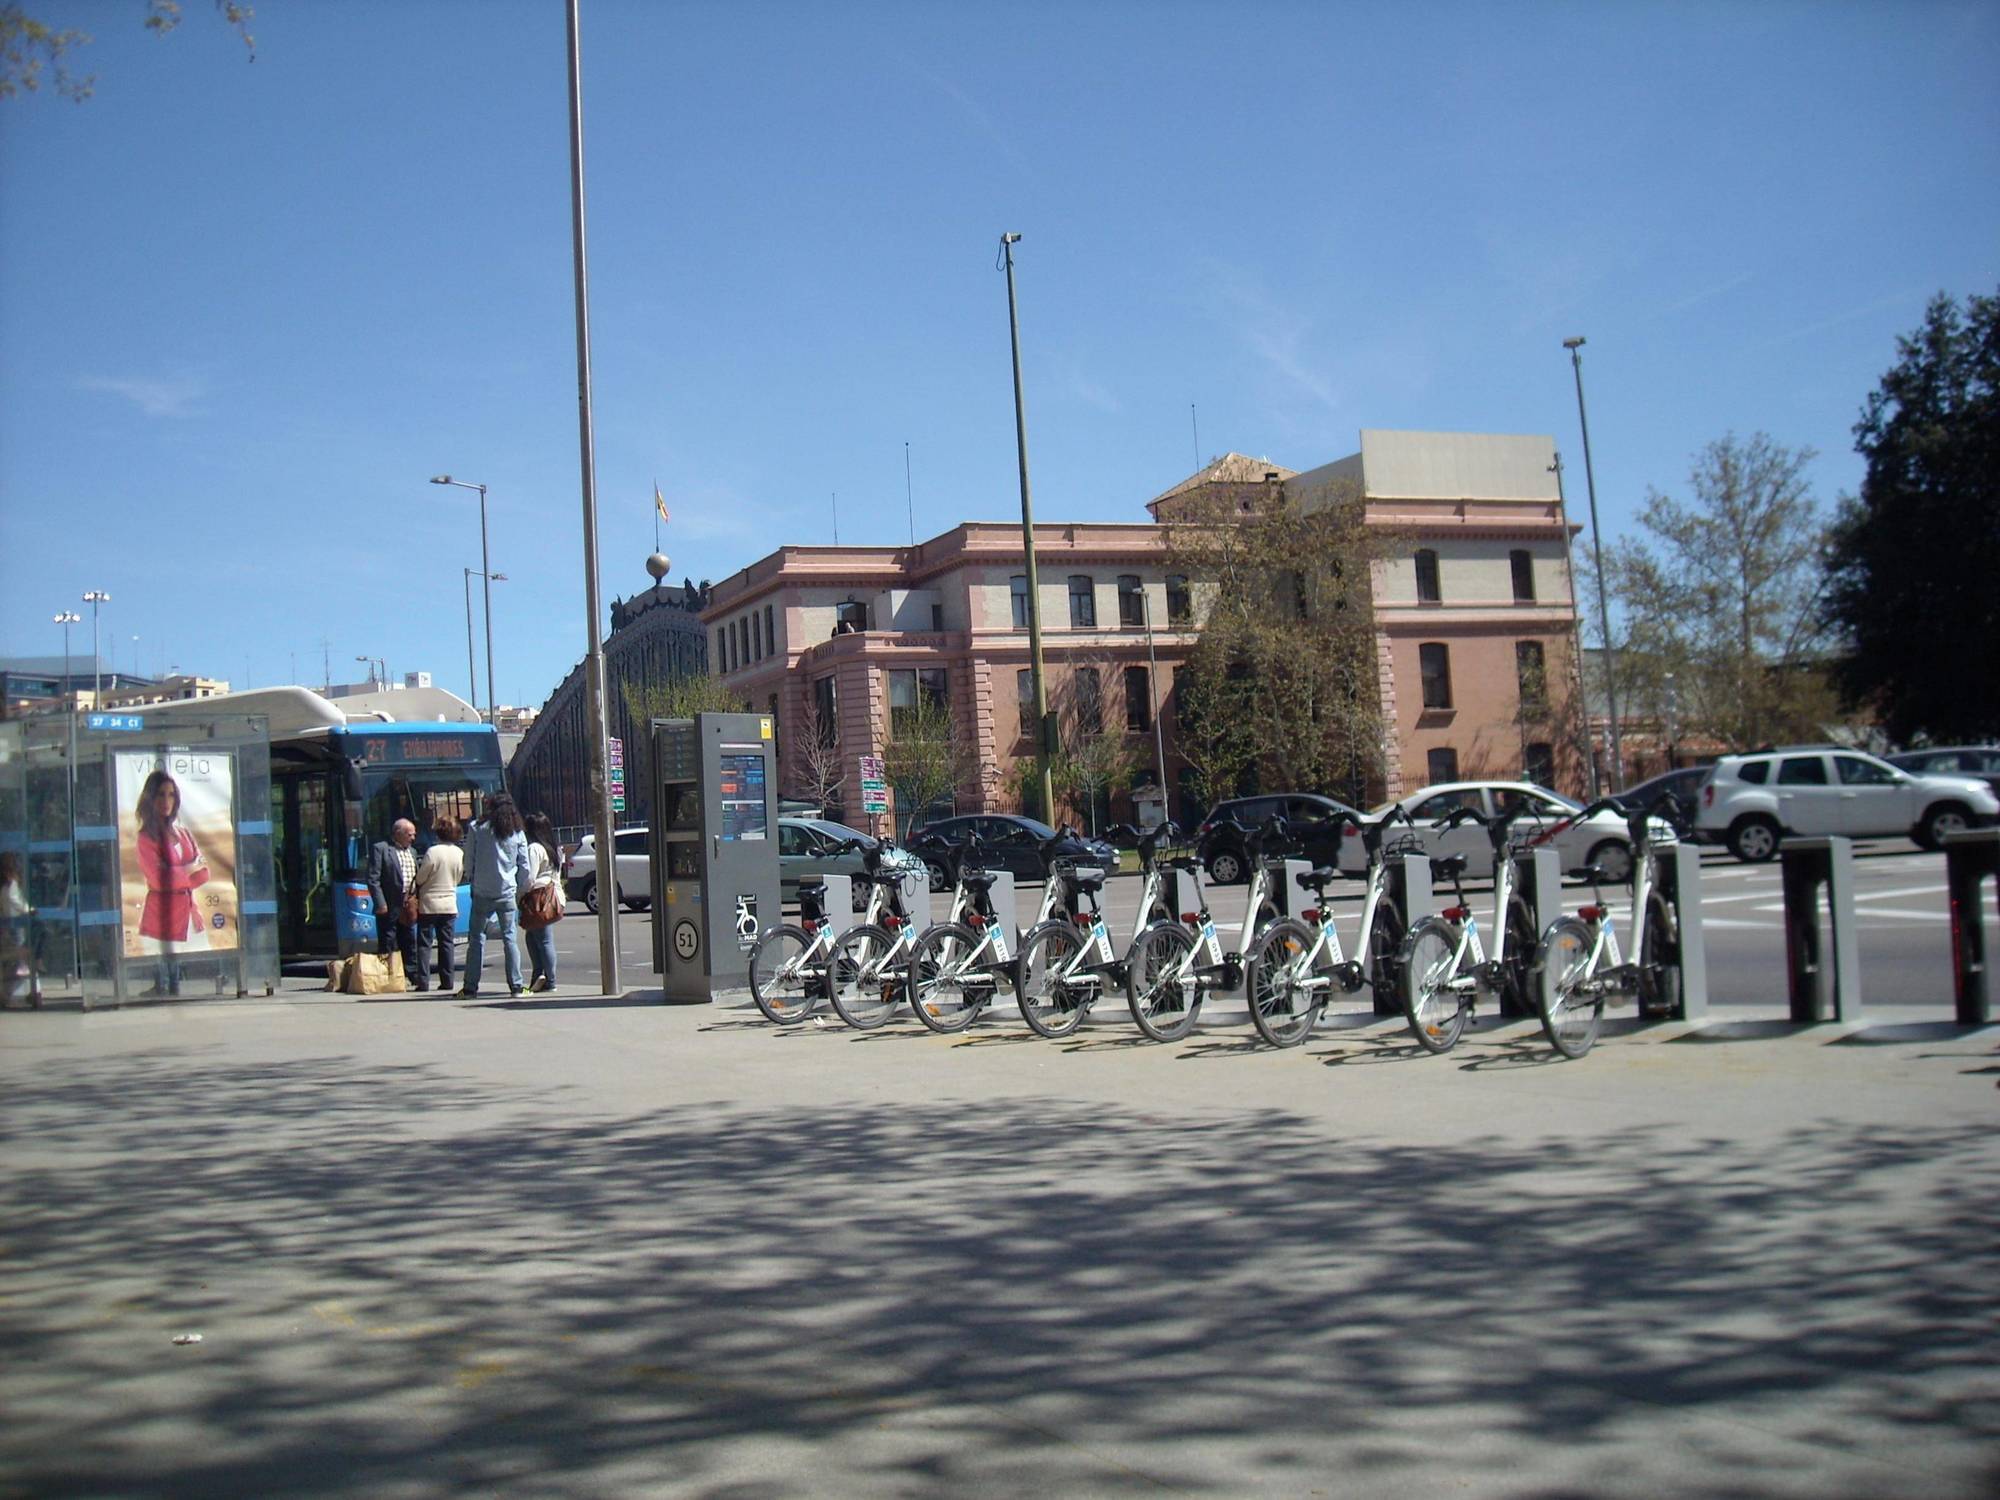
(1153, 692)
(471, 676)
(67, 618)
(94, 598)
(486, 569)
(1575, 347)
(1043, 771)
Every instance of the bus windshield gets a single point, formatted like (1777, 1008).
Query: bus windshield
(422, 794)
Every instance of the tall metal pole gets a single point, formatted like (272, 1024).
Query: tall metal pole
(66, 619)
(1576, 629)
(1575, 347)
(93, 598)
(471, 672)
(1153, 692)
(600, 727)
(1044, 773)
(486, 587)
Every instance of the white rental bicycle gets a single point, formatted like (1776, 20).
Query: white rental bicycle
(869, 965)
(790, 964)
(1066, 961)
(957, 966)
(1577, 966)
(1294, 965)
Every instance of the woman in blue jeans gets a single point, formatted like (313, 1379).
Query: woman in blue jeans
(497, 854)
(545, 860)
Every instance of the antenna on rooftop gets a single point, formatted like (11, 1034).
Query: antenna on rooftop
(1197, 436)
(909, 495)
(836, 518)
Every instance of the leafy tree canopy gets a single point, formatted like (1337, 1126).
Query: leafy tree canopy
(1913, 581)
(28, 45)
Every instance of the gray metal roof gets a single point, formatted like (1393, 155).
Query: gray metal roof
(1444, 466)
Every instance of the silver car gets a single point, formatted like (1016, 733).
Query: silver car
(807, 851)
(1598, 840)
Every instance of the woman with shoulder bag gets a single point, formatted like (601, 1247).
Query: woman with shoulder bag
(436, 891)
(542, 902)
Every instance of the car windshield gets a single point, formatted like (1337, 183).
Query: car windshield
(840, 833)
(1038, 829)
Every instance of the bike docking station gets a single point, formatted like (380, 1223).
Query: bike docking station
(714, 859)
(1971, 858)
(1284, 894)
(1538, 879)
(1823, 980)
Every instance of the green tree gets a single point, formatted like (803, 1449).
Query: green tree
(1722, 591)
(1913, 581)
(678, 697)
(28, 45)
(927, 758)
(1283, 676)
(1095, 757)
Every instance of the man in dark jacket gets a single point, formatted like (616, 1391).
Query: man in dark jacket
(392, 870)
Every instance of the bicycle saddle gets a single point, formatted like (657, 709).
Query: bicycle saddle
(977, 880)
(1591, 873)
(1318, 880)
(1182, 862)
(1085, 877)
(1447, 866)
(813, 892)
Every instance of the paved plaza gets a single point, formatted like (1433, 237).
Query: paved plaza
(597, 1247)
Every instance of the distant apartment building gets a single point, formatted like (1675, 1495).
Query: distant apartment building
(1473, 613)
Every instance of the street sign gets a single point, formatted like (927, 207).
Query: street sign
(114, 721)
(616, 752)
(874, 785)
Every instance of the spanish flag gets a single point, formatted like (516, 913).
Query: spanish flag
(659, 502)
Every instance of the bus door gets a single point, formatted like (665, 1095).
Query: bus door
(302, 825)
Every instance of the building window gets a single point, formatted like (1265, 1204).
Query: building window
(756, 636)
(1428, 589)
(1138, 701)
(718, 656)
(1523, 564)
(1180, 603)
(1082, 602)
(1017, 588)
(826, 713)
(1538, 764)
(849, 616)
(1024, 694)
(1442, 765)
(1434, 663)
(1131, 601)
(937, 617)
(1531, 673)
(1089, 702)
(770, 634)
(908, 688)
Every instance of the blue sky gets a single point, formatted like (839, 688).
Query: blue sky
(246, 310)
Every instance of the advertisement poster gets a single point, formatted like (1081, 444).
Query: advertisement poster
(177, 851)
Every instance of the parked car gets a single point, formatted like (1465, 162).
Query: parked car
(1751, 802)
(633, 877)
(1982, 761)
(1683, 785)
(1597, 840)
(1010, 842)
(1220, 847)
(806, 851)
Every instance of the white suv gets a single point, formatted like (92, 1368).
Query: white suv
(1750, 802)
(634, 877)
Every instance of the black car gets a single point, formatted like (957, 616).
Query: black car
(1982, 761)
(1008, 842)
(1314, 836)
(1683, 785)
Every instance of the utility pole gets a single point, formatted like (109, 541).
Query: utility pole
(600, 727)
(1575, 347)
(1044, 772)
(1576, 631)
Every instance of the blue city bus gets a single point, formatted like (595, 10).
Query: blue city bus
(342, 771)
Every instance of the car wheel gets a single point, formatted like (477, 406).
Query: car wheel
(1614, 858)
(1946, 817)
(1225, 867)
(589, 896)
(940, 881)
(1754, 840)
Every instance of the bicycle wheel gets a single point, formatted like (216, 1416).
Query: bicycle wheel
(1385, 943)
(863, 985)
(1660, 974)
(948, 986)
(1428, 961)
(785, 988)
(1054, 1003)
(1284, 1003)
(1161, 986)
(1562, 964)
(1517, 993)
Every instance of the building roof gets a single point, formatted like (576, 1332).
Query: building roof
(1457, 465)
(56, 666)
(1231, 468)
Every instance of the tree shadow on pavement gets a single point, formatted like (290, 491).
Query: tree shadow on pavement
(411, 1283)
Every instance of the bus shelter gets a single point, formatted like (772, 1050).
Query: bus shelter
(146, 851)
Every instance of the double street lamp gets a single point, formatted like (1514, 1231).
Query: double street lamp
(486, 572)
(471, 677)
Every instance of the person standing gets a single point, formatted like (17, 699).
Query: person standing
(439, 874)
(18, 957)
(392, 874)
(545, 866)
(498, 854)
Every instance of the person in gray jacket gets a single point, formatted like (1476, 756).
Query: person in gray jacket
(496, 855)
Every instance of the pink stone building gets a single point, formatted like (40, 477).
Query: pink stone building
(1473, 612)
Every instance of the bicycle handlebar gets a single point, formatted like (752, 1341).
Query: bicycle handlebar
(1665, 807)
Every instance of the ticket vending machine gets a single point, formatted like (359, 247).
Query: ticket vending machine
(714, 850)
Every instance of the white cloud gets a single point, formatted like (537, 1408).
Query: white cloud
(170, 396)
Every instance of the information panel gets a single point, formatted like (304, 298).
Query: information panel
(741, 785)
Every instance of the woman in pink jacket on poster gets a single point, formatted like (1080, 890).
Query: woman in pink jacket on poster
(172, 866)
